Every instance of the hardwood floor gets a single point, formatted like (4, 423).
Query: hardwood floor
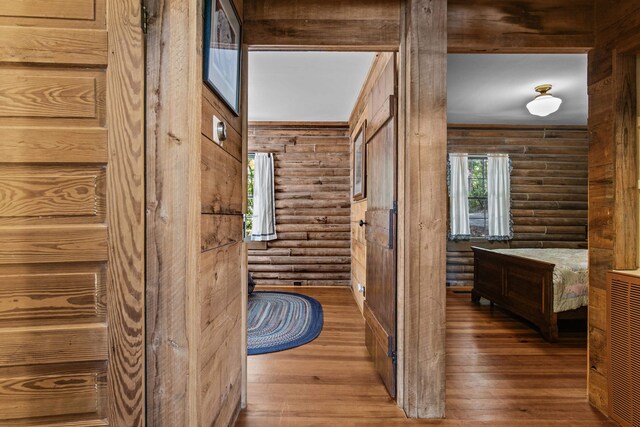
(499, 373)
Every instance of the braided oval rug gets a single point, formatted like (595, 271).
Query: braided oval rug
(281, 320)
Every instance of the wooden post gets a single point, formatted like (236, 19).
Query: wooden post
(626, 170)
(425, 65)
(173, 210)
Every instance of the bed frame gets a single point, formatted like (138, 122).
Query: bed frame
(521, 285)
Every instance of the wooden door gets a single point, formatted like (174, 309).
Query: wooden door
(71, 213)
(380, 217)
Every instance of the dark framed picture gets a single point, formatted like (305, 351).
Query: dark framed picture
(223, 51)
(359, 163)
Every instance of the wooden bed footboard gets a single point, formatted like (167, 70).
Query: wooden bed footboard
(521, 285)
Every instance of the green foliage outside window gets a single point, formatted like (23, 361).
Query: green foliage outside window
(248, 219)
(478, 196)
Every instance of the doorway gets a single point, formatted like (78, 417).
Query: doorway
(319, 235)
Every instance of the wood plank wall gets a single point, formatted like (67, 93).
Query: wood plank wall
(312, 178)
(359, 115)
(519, 26)
(195, 245)
(479, 26)
(71, 213)
(324, 24)
(613, 210)
(220, 292)
(548, 188)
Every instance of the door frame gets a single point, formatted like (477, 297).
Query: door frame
(421, 229)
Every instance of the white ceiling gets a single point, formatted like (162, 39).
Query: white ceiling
(305, 86)
(482, 88)
(494, 89)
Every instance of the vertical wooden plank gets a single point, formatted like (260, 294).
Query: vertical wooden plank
(626, 163)
(125, 178)
(245, 257)
(173, 210)
(400, 273)
(425, 201)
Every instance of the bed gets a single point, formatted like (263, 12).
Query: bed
(539, 285)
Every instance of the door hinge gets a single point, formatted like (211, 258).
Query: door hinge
(144, 18)
(395, 207)
(390, 351)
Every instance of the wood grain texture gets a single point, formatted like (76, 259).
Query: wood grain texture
(48, 196)
(613, 207)
(53, 46)
(358, 25)
(220, 230)
(72, 260)
(50, 395)
(54, 297)
(44, 94)
(194, 203)
(549, 199)
(312, 203)
(62, 9)
(500, 373)
(534, 26)
(221, 295)
(26, 245)
(625, 220)
(425, 201)
(53, 145)
(126, 218)
(221, 176)
(53, 344)
(173, 211)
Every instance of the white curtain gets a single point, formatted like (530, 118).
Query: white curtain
(459, 196)
(499, 197)
(264, 206)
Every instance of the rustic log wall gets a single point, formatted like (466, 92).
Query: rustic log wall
(548, 188)
(312, 178)
(613, 204)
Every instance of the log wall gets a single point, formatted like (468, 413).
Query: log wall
(548, 188)
(312, 179)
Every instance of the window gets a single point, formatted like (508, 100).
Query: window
(248, 218)
(480, 197)
(478, 206)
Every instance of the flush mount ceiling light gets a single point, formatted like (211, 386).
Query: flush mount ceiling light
(545, 103)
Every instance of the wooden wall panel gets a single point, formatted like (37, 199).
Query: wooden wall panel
(358, 25)
(71, 213)
(220, 285)
(507, 26)
(195, 243)
(312, 187)
(613, 170)
(358, 251)
(360, 114)
(548, 188)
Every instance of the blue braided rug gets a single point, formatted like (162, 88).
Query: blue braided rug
(281, 320)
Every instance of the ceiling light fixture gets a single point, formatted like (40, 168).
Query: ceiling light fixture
(545, 103)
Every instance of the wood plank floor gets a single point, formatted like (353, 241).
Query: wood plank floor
(499, 373)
